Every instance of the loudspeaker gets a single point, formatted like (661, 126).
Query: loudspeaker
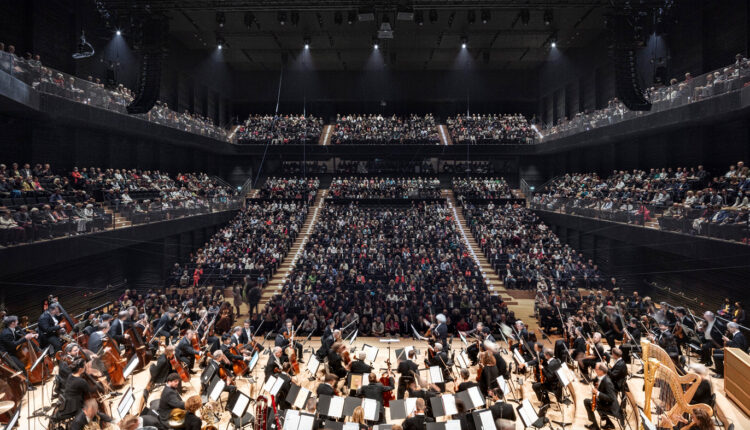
(149, 81)
(623, 52)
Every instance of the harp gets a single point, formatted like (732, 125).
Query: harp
(666, 401)
(652, 350)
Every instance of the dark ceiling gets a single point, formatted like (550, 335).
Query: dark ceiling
(503, 42)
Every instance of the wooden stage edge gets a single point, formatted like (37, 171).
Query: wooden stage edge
(573, 414)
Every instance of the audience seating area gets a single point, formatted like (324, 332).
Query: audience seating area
(280, 129)
(482, 188)
(377, 129)
(494, 128)
(37, 203)
(290, 188)
(681, 199)
(385, 188)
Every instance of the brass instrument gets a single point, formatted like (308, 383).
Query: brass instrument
(211, 413)
(261, 413)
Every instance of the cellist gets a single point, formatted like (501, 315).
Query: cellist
(285, 337)
(185, 351)
(10, 340)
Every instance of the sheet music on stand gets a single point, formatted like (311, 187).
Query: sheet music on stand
(403, 353)
(297, 396)
(358, 380)
(273, 384)
(371, 408)
(351, 426)
(444, 405)
(296, 420)
(503, 384)
(402, 408)
(518, 357)
(463, 338)
(253, 361)
(313, 364)
(472, 398)
(371, 352)
(331, 406)
(527, 413)
(216, 388)
(131, 366)
(462, 359)
(436, 374)
(565, 374)
(382, 427)
(446, 425)
(483, 420)
(126, 402)
(237, 403)
(647, 424)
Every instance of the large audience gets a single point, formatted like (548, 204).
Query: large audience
(390, 266)
(682, 199)
(379, 129)
(525, 252)
(290, 188)
(482, 188)
(381, 166)
(38, 203)
(490, 128)
(251, 247)
(280, 129)
(730, 78)
(385, 188)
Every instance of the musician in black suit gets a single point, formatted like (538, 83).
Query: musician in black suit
(335, 363)
(284, 338)
(276, 362)
(407, 370)
(75, 390)
(374, 390)
(606, 399)
(165, 326)
(170, 399)
(595, 355)
(482, 333)
(633, 342)
(162, 368)
(499, 408)
(465, 382)
(49, 330)
(96, 339)
(441, 330)
(735, 340)
(10, 339)
(246, 332)
(440, 359)
(326, 388)
(619, 371)
(551, 382)
(711, 336)
(185, 352)
(119, 327)
(419, 420)
(665, 339)
(684, 320)
(419, 388)
(358, 366)
(89, 417)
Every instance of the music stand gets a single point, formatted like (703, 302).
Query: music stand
(130, 368)
(382, 427)
(483, 419)
(402, 408)
(446, 425)
(237, 404)
(215, 389)
(296, 420)
(371, 352)
(126, 402)
(331, 406)
(312, 366)
(529, 416)
(564, 375)
(39, 412)
(297, 396)
(444, 405)
(472, 398)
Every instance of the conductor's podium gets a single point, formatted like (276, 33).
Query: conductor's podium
(737, 377)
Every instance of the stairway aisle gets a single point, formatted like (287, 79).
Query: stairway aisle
(325, 135)
(278, 279)
(445, 135)
(520, 302)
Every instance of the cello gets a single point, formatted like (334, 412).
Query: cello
(110, 356)
(386, 381)
(12, 388)
(28, 352)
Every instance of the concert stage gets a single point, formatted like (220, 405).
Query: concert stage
(574, 414)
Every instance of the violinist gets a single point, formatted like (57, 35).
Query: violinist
(619, 371)
(89, 417)
(49, 329)
(221, 366)
(549, 381)
(358, 366)
(335, 359)
(594, 350)
(226, 346)
(604, 399)
(185, 352)
(407, 370)
(489, 374)
(521, 336)
(482, 333)
(466, 383)
(502, 366)
(683, 322)
(276, 362)
(441, 359)
(633, 341)
(76, 389)
(96, 339)
(711, 335)
(330, 336)
(735, 340)
(326, 388)
(10, 340)
(165, 327)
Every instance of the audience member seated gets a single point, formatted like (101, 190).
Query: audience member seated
(525, 252)
(482, 188)
(253, 244)
(381, 167)
(385, 188)
(377, 129)
(290, 188)
(490, 128)
(394, 265)
(295, 168)
(478, 167)
(278, 129)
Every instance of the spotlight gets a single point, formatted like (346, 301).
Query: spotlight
(220, 42)
(464, 42)
(419, 17)
(525, 16)
(306, 40)
(553, 44)
(219, 46)
(375, 46)
(351, 16)
(281, 16)
(485, 16)
(221, 19)
(338, 17)
(548, 16)
(471, 17)
(463, 46)
(119, 33)
(433, 15)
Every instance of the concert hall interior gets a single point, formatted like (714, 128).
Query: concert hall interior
(374, 215)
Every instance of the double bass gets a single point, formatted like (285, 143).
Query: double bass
(29, 352)
(137, 347)
(110, 356)
(386, 381)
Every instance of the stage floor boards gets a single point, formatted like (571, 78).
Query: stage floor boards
(575, 415)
